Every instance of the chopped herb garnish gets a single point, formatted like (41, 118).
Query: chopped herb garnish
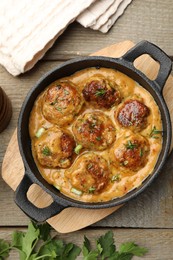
(155, 137)
(125, 162)
(130, 145)
(89, 166)
(100, 92)
(78, 148)
(40, 132)
(98, 138)
(141, 153)
(57, 186)
(46, 151)
(154, 132)
(54, 102)
(66, 92)
(59, 109)
(92, 125)
(116, 177)
(58, 86)
(77, 192)
(91, 189)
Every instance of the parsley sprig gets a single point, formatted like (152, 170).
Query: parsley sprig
(46, 151)
(106, 249)
(100, 92)
(37, 243)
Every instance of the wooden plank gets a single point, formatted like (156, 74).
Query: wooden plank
(142, 20)
(158, 241)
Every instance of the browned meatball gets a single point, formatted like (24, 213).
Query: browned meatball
(94, 131)
(101, 92)
(61, 102)
(89, 173)
(54, 148)
(131, 152)
(133, 114)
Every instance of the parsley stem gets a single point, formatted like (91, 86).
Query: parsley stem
(34, 244)
(42, 256)
(6, 249)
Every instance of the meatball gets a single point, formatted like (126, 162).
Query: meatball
(131, 152)
(133, 114)
(61, 102)
(94, 131)
(54, 148)
(89, 173)
(101, 93)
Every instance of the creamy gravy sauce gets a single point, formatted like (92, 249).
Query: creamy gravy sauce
(129, 180)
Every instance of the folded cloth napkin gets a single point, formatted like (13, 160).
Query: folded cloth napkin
(120, 10)
(101, 15)
(105, 16)
(29, 28)
(90, 15)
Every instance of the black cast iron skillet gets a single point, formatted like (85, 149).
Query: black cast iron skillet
(123, 64)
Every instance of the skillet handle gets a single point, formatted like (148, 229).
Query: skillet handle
(145, 47)
(35, 213)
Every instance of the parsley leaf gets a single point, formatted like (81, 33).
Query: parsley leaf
(4, 249)
(36, 243)
(87, 252)
(25, 242)
(100, 92)
(106, 242)
(46, 151)
(130, 247)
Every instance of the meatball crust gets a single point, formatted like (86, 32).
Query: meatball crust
(132, 152)
(133, 114)
(89, 173)
(101, 92)
(94, 131)
(54, 148)
(61, 102)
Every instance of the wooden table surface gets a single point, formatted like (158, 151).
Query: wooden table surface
(148, 219)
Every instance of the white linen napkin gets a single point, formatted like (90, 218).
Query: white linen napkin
(29, 28)
(110, 22)
(90, 15)
(101, 15)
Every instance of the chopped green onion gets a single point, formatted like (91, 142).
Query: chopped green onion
(125, 162)
(98, 138)
(154, 132)
(130, 145)
(91, 189)
(59, 109)
(89, 166)
(78, 148)
(77, 192)
(66, 92)
(57, 186)
(116, 178)
(40, 132)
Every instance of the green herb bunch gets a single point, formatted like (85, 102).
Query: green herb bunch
(37, 243)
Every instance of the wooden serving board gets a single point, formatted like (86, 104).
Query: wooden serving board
(72, 219)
